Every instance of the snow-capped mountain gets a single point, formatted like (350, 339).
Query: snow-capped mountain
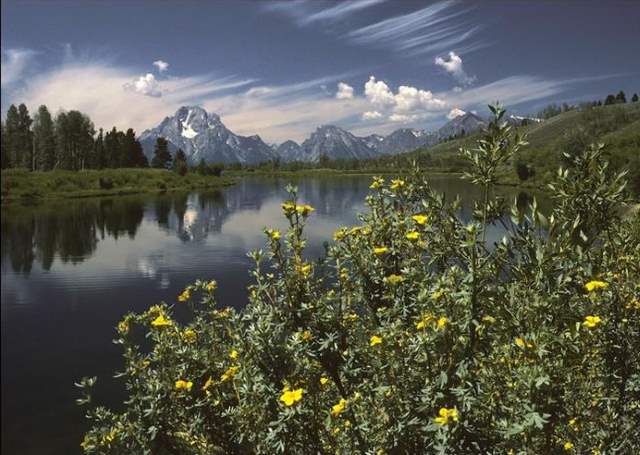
(461, 126)
(336, 144)
(202, 135)
(406, 140)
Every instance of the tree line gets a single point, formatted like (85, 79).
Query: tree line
(67, 141)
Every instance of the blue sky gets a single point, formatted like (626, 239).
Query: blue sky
(282, 68)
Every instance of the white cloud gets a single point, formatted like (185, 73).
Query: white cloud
(14, 63)
(305, 12)
(161, 65)
(409, 104)
(371, 115)
(145, 85)
(378, 93)
(453, 66)
(430, 29)
(345, 91)
(455, 112)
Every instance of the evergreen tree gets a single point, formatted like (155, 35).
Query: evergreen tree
(610, 100)
(99, 158)
(180, 163)
(620, 97)
(24, 141)
(4, 158)
(11, 137)
(161, 156)
(202, 167)
(634, 98)
(44, 139)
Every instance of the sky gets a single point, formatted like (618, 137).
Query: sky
(280, 69)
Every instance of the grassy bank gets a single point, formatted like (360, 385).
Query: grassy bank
(327, 172)
(19, 185)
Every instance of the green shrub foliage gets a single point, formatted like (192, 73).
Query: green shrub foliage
(415, 334)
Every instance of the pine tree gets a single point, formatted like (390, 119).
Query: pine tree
(44, 140)
(24, 141)
(99, 151)
(620, 97)
(180, 163)
(11, 137)
(610, 100)
(4, 158)
(161, 155)
(634, 98)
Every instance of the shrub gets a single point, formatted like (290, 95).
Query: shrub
(413, 335)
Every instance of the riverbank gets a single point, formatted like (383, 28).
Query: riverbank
(333, 172)
(21, 186)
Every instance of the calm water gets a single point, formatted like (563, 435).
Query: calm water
(71, 269)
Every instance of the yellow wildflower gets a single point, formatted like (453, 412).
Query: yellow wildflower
(520, 343)
(375, 340)
(591, 321)
(212, 286)
(189, 335)
(435, 295)
(594, 285)
(445, 415)
(413, 235)
(380, 250)
(427, 318)
(305, 269)
(288, 207)
(306, 335)
(291, 397)
(273, 234)
(208, 383)
(420, 219)
(184, 385)
(161, 321)
(351, 317)
(488, 319)
(395, 184)
(337, 409)
(567, 446)
(304, 210)
(229, 374)
(377, 183)
(233, 354)
(324, 380)
(394, 279)
(340, 234)
(336, 430)
(441, 322)
(123, 327)
(186, 295)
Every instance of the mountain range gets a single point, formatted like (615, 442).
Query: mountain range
(203, 136)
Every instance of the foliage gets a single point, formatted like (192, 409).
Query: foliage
(412, 335)
(19, 185)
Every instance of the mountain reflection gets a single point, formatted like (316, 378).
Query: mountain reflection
(70, 230)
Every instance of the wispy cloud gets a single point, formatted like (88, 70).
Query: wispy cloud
(14, 63)
(305, 12)
(434, 28)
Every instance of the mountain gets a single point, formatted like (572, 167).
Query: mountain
(406, 140)
(202, 135)
(461, 126)
(336, 144)
(289, 151)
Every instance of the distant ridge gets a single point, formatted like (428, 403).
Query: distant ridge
(203, 136)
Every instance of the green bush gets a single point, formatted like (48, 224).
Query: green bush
(413, 334)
